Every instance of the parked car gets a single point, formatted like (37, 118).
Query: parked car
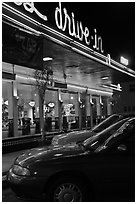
(102, 168)
(81, 135)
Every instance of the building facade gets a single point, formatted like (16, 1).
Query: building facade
(80, 91)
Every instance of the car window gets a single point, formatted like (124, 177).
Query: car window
(124, 136)
(102, 136)
(127, 134)
(107, 122)
(128, 142)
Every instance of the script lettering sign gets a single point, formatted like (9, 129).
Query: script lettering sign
(67, 23)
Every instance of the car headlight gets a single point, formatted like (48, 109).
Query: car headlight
(21, 171)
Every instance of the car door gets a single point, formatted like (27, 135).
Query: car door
(123, 154)
(112, 171)
(122, 165)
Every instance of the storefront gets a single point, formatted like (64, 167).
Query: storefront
(77, 98)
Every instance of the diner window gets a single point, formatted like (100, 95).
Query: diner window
(95, 110)
(88, 109)
(7, 108)
(51, 111)
(28, 109)
(104, 107)
(70, 117)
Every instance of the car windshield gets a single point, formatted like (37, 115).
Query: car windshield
(107, 122)
(128, 128)
(94, 141)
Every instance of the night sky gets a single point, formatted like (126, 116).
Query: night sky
(114, 21)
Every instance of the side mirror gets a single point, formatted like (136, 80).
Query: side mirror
(122, 147)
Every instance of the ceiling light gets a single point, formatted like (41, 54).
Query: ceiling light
(112, 86)
(47, 59)
(105, 77)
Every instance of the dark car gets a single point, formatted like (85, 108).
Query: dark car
(101, 168)
(81, 135)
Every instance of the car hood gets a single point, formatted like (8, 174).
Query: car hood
(49, 153)
(71, 137)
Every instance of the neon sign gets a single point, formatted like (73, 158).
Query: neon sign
(75, 29)
(51, 105)
(31, 8)
(124, 61)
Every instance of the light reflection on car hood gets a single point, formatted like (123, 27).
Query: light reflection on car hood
(49, 153)
(72, 137)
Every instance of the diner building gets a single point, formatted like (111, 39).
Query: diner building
(83, 85)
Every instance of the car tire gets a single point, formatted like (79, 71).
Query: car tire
(67, 189)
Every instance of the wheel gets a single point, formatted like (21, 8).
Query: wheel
(67, 190)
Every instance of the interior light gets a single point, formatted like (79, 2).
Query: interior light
(60, 99)
(6, 103)
(91, 100)
(51, 105)
(47, 59)
(100, 99)
(70, 105)
(79, 99)
(32, 103)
